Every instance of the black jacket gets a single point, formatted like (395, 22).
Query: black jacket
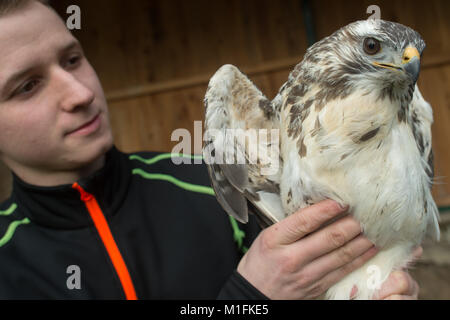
(163, 232)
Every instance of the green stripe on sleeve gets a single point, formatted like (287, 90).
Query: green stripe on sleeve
(9, 211)
(11, 229)
(164, 156)
(175, 181)
(238, 234)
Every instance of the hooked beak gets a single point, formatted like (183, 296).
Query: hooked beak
(410, 63)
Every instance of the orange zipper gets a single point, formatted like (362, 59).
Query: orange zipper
(108, 241)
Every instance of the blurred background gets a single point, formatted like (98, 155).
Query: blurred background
(155, 57)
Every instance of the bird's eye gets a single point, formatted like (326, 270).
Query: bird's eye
(371, 46)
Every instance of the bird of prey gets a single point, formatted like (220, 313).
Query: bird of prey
(351, 125)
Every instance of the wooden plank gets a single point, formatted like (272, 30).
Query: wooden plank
(159, 87)
(139, 42)
(272, 66)
(435, 61)
(434, 84)
(145, 47)
(147, 122)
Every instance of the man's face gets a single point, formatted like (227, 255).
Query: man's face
(55, 93)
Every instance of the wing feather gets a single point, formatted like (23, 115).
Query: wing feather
(423, 119)
(233, 102)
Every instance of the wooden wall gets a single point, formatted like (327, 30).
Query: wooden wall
(155, 57)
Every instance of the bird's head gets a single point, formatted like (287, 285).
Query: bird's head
(372, 55)
(393, 49)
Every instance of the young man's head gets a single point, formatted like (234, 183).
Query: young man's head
(54, 126)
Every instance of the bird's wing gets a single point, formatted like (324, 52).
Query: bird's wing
(244, 172)
(422, 118)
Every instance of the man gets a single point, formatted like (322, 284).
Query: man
(87, 221)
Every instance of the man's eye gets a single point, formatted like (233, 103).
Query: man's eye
(28, 87)
(73, 61)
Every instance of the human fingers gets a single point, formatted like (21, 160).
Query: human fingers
(338, 258)
(328, 239)
(303, 222)
(399, 283)
(322, 285)
(400, 297)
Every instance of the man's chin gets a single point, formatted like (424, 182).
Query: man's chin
(90, 157)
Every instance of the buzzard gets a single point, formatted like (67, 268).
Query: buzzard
(350, 124)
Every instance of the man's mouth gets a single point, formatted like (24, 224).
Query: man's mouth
(88, 127)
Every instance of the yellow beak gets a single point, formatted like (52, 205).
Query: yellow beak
(410, 63)
(409, 53)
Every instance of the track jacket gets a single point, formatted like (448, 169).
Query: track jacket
(140, 227)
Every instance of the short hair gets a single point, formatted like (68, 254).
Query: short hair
(8, 6)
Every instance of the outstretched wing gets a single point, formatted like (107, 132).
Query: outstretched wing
(422, 118)
(241, 147)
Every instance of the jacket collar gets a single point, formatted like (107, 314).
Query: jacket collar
(61, 206)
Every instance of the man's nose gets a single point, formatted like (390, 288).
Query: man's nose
(73, 93)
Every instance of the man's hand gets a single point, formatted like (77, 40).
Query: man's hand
(292, 259)
(400, 285)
